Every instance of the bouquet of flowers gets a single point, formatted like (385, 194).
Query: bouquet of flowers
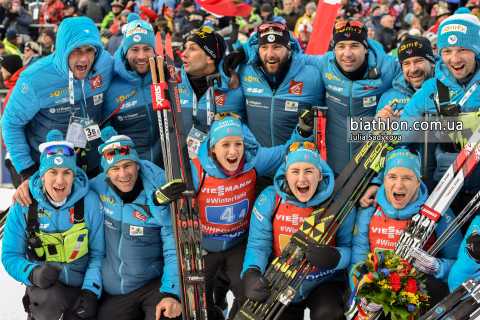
(385, 280)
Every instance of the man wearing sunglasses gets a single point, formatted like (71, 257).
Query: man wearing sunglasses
(131, 85)
(41, 101)
(204, 51)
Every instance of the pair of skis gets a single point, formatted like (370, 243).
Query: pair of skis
(424, 223)
(319, 227)
(184, 211)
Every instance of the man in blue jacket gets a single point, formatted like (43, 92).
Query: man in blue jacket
(41, 101)
(457, 73)
(140, 273)
(355, 74)
(131, 85)
(204, 51)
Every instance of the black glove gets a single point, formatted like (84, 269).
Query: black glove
(305, 123)
(233, 60)
(86, 304)
(322, 256)
(256, 286)
(473, 246)
(45, 276)
(171, 191)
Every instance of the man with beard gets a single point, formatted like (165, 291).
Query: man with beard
(455, 82)
(277, 83)
(418, 65)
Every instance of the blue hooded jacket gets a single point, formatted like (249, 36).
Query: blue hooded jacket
(84, 272)
(260, 240)
(136, 119)
(227, 100)
(465, 267)
(421, 102)
(262, 160)
(40, 101)
(345, 98)
(361, 242)
(401, 93)
(139, 237)
(272, 114)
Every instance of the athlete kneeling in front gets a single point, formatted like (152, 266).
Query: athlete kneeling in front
(228, 164)
(399, 198)
(56, 246)
(302, 183)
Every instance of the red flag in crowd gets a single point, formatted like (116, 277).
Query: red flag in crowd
(323, 27)
(226, 7)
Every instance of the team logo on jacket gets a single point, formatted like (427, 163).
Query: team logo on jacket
(24, 88)
(220, 98)
(96, 82)
(369, 88)
(136, 231)
(291, 106)
(72, 212)
(369, 102)
(296, 88)
(138, 215)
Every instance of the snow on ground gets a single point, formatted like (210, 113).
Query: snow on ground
(11, 291)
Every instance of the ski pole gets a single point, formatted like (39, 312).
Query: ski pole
(315, 126)
(211, 84)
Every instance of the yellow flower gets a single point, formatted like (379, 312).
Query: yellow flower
(392, 302)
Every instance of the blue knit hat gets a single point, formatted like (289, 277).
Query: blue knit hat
(59, 160)
(460, 30)
(403, 157)
(228, 126)
(138, 32)
(304, 155)
(113, 140)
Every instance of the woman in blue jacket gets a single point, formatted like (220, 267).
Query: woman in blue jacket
(399, 198)
(302, 183)
(56, 246)
(228, 164)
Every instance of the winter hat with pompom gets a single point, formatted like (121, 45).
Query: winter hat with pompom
(460, 30)
(59, 159)
(113, 141)
(138, 32)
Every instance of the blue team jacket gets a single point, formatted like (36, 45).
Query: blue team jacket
(262, 160)
(39, 102)
(361, 242)
(139, 246)
(260, 240)
(136, 119)
(84, 272)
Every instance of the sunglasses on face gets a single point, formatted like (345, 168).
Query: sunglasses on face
(57, 149)
(110, 153)
(306, 144)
